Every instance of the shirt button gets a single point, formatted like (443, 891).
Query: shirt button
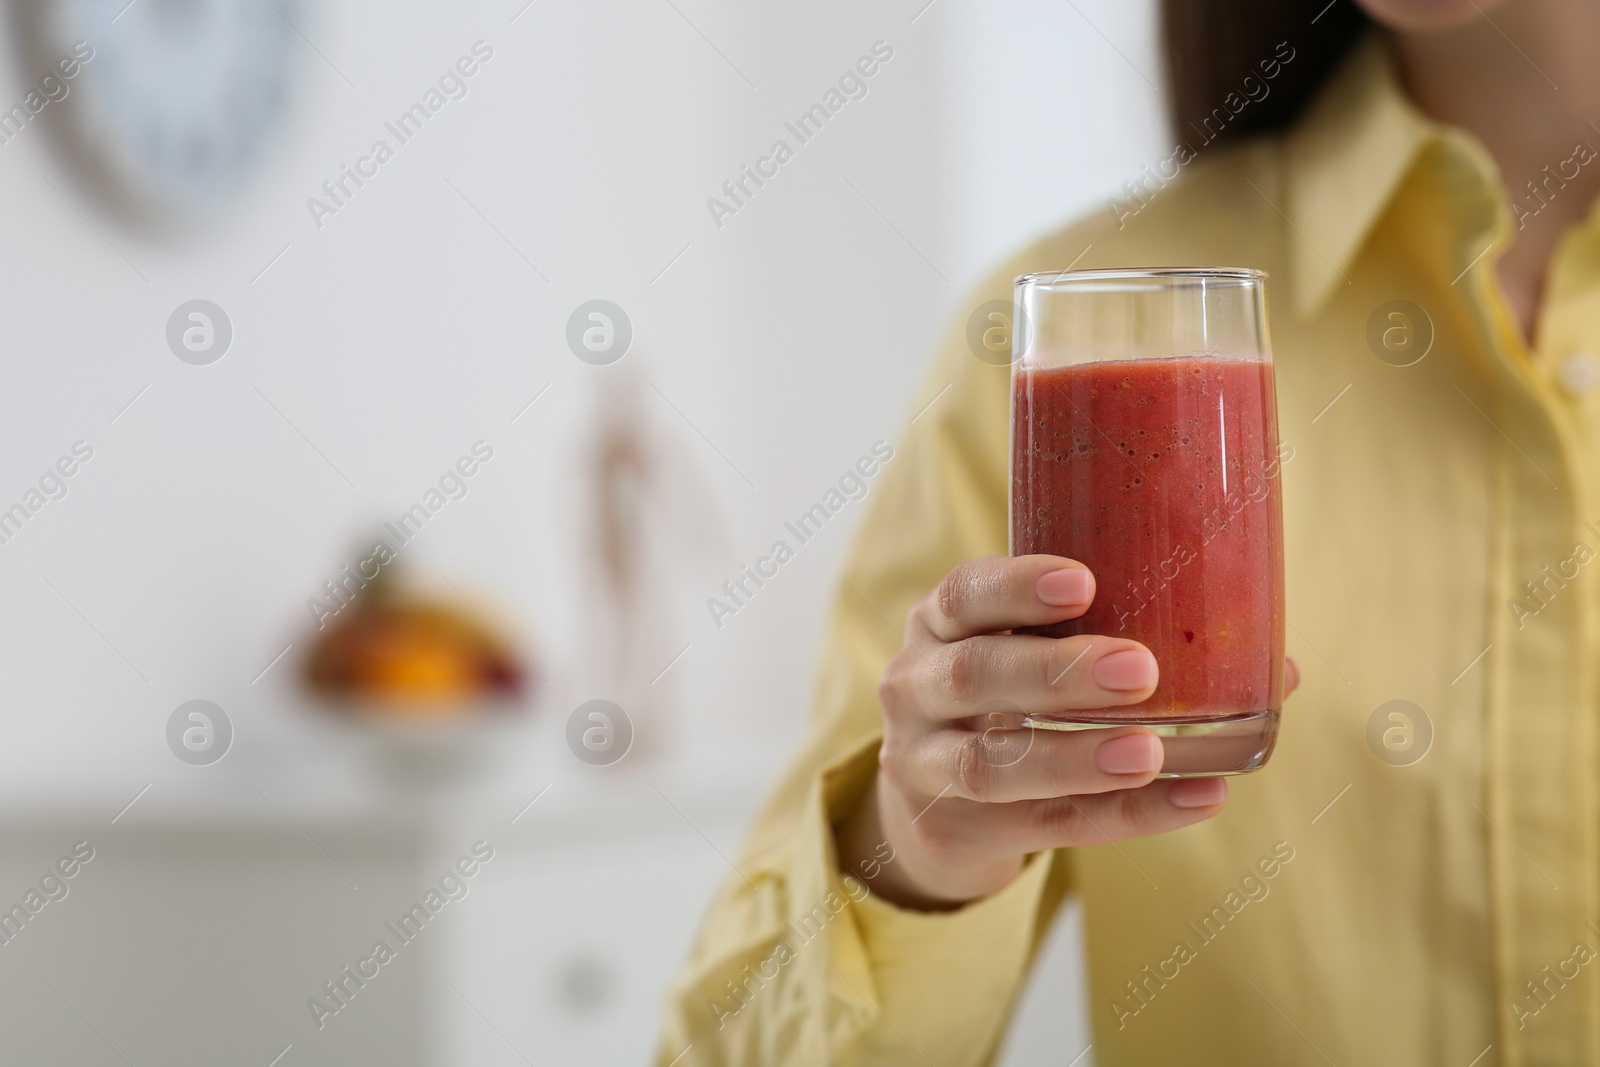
(1579, 373)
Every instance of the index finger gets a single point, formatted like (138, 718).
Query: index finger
(994, 593)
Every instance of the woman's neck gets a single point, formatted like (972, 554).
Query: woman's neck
(1527, 84)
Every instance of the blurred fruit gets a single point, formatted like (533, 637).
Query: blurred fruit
(411, 657)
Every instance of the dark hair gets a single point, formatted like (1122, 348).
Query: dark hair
(1211, 46)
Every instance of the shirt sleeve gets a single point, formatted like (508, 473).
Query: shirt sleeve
(796, 962)
(814, 968)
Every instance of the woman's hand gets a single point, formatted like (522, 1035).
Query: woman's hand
(964, 791)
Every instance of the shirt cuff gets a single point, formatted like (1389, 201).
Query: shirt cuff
(944, 980)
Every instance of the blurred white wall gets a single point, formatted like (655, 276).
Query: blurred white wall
(376, 349)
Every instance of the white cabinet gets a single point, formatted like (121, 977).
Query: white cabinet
(568, 947)
(199, 931)
(206, 922)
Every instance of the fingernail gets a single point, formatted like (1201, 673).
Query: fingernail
(1132, 668)
(1066, 587)
(1198, 792)
(1133, 754)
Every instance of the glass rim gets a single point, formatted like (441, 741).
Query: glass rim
(1050, 279)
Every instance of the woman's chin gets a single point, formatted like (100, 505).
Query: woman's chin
(1426, 16)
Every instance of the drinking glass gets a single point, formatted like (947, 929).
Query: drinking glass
(1144, 436)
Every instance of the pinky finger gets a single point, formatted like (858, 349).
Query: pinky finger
(1157, 808)
(1088, 819)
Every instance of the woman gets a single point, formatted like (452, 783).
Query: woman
(1372, 897)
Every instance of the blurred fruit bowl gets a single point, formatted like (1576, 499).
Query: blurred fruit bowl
(426, 688)
(411, 658)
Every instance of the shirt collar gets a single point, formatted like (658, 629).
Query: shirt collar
(1344, 161)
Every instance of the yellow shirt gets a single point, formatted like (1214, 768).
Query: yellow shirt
(1433, 910)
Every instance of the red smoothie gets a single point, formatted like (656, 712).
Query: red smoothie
(1161, 476)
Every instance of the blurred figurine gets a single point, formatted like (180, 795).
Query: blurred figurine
(648, 513)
